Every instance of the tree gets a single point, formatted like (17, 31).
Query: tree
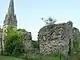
(49, 21)
(13, 42)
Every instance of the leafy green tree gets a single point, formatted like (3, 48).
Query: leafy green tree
(13, 42)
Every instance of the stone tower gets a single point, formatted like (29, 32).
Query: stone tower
(10, 18)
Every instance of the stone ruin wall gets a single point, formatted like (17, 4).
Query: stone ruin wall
(28, 42)
(55, 38)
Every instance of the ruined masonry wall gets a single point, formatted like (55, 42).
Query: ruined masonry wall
(55, 38)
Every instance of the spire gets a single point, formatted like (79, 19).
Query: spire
(11, 8)
(10, 18)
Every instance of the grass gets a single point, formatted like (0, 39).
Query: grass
(38, 57)
(9, 58)
(74, 57)
(30, 58)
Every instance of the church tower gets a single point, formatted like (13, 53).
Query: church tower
(10, 18)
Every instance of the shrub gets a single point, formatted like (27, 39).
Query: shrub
(13, 42)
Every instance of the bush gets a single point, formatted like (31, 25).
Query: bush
(13, 42)
(35, 44)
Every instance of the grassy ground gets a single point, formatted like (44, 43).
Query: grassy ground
(30, 58)
(75, 57)
(38, 57)
(8, 58)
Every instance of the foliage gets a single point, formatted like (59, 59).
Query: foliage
(13, 42)
(49, 21)
(23, 33)
(75, 55)
(76, 42)
(76, 46)
(35, 44)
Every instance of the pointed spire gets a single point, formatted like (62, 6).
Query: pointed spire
(10, 18)
(11, 8)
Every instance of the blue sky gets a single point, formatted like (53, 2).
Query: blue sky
(29, 13)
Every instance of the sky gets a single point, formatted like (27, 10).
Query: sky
(30, 12)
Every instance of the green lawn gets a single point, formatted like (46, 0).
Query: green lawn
(38, 57)
(9, 58)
